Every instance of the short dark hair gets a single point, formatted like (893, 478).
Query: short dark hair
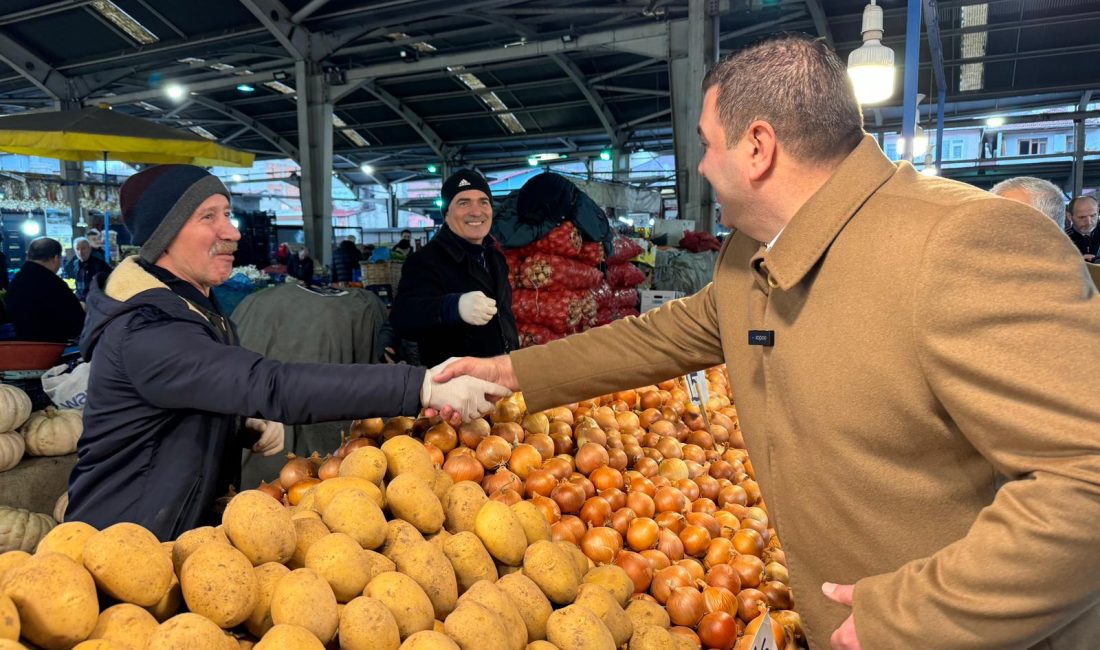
(1073, 203)
(406, 231)
(43, 249)
(796, 84)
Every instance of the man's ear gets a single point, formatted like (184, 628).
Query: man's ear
(762, 149)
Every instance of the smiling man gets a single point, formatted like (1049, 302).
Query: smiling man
(169, 385)
(454, 298)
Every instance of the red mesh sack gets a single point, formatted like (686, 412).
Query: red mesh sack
(603, 295)
(564, 312)
(542, 271)
(624, 298)
(592, 253)
(564, 241)
(530, 334)
(624, 275)
(624, 249)
(606, 315)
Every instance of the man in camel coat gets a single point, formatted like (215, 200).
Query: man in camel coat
(891, 364)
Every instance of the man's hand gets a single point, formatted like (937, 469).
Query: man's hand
(476, 308)
(1089, 258)
(844, 638)
(271, 436)
(467, 397)
(497, 370)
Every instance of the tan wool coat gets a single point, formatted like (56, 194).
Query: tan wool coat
(931, 341)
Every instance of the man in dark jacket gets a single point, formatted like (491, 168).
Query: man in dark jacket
(300, 265)
(40, 304)
(169, 385)
(3, 266)
(1082, 230)
(454, 298)
(345, 261)
(84, 267)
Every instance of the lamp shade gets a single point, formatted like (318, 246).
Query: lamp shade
(871, 65)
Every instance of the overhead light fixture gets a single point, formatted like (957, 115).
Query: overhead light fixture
(920, 142)
(605, 154)
(568, 37)
(995, 121)
(237, 178)
(280, 87)
(533, 161)
(439, 203)
(125, 22)
(871, 65)
(31, 228)
(432, 169)
(203, 132)
(175, 92)
(366, 169)
(280, 75)
(409, 54)
(246, 88)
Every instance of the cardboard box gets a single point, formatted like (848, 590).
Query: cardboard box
(651, 299)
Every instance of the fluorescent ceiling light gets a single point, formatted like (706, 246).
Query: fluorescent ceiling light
(995, 121)
(973, 46)
(124, 21)
(221, 67)
(191, 60)
(355, 137)
(490, 98)
(203, 132)
(150, 107)
(337, 121)
(366, 169)
(280, 87)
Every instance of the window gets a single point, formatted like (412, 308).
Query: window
(954, 149)
(1069, 144)
(892, 150)
(1033, 146)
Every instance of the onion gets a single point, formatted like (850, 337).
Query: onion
(720, 469)
(658, 559)
(718, 630)
(442, 436)
(695, 539)
(536, 423)
(777, 572)
(642, 534)
(605, 478)
(727, 522)
(507, 496)
(708, 487)
(666, 580)
(562, 532)
(510, 431)
(540, 482)
(748, 542)
(669, 499)
(688, 487)
(778, 595)
(601, 545)
(617, 459)
(791, 623)
(641, 503)
(273, 490)
(296, 470)
(464, 467)
(706, 521)
(669, 448)
(596, 511)
(502, 480)
(750, 604)
(694, 567)
(473, 432)
(719, 599)
(643, 485)
(586, 485)
(299, 489)
(719, 551)
(757, 619)
(576, 525)
(493, 452)
(524, 460)
(750, 569)
(563, 442)
(669, 543)
(329, 469)
(637, 567)
(725, 576)
(568, 496)
(703, 505)
(614, 496)
(685, 606)
(672, 521)
(435, 453)
(543, 443)
(622, 519)
(559, 467)
(589, 457)
(351, 445)
(560, 427)
(547, 506)
(368, 428)
(752, 489)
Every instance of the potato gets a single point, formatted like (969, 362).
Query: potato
(652, 637)
(469, 559)
(128, 564)
(576, 628)
(367, 624)
(410, 606)
(187, 632)
(56, 599)
(439, 539)
(399, 536)
(13, 559)
(127, 626)
(219, 583)
(496, 600)
(644, 612)
(473, 627)
(308, 502)
(356, 514)
(411, 498)
(684, 643)
(267, 575)
(430, 568)
(614, 579)
(406, 455)
(307, 530)
(500, 530)
(603, 604)
(534, 523)
(8, 644)
(377, 563)
(9, 619)
(549, 567)
(260, 527)
(341, 561)
(365, 462)
(581, 563)
(67, 539)
(168, 606)
(529, 601)
(461, 505)
(297, 513)
(327, 490)
(303, 598)
(289, 637)
(429, 640)
(541, 645)
(441, 484)
(190, 541)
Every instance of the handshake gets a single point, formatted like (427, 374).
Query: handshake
(454, 397)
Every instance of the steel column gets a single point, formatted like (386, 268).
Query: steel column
(699, 39)
(315, 152)
(912, 68)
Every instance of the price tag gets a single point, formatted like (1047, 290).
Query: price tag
(700, 393)
(764, 639)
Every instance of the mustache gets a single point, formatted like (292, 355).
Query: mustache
(223, 248)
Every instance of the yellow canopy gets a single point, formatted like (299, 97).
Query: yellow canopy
(96, 133)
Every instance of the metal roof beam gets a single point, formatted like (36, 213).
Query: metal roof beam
(34, 69)
(276, 18)
(821, 21)
(427, 133)
(280, 143)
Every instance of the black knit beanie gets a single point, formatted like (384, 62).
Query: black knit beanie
(460, 181)
(157, 202)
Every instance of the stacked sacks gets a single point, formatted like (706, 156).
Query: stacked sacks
(620, 298)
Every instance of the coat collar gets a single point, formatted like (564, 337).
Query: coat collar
(456, 247)
(817, 223)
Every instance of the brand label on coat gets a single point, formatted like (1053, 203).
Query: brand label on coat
(762, 337)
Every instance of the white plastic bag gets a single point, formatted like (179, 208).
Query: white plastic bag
(68, 389)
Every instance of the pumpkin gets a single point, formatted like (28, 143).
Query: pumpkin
(53, 432)
(21, 530)
(15, 407)
(11, 450)
(60, 506)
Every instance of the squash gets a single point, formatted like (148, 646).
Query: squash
(11, 450)
(60, 506)
(21, 530)
(53, 432)
(15, 407)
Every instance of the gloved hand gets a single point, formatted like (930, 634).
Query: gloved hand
(271, 436)
(476, 308)
(468, 396)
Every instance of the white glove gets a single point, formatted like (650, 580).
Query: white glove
(476, 308)
(271, 436)
(468, 396)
